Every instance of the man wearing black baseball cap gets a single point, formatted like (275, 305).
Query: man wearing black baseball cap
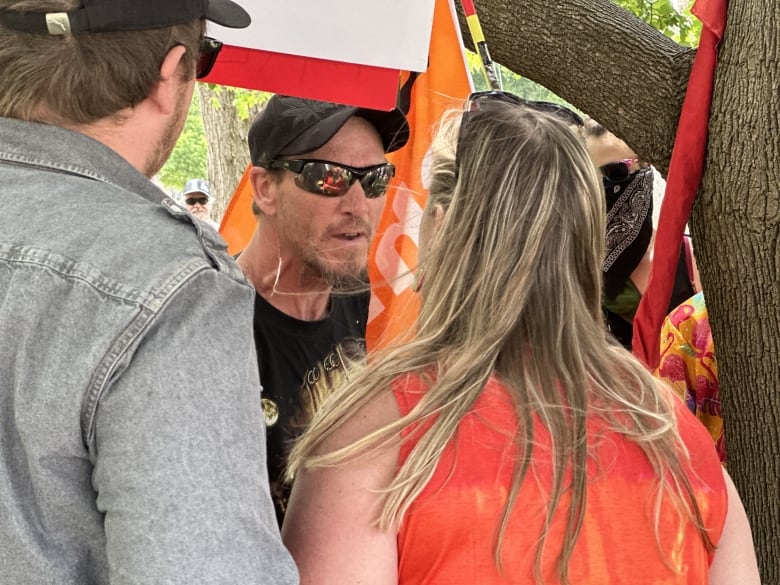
(120, 463)
(319, 179)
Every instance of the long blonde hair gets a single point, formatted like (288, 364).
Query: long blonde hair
(511, 286)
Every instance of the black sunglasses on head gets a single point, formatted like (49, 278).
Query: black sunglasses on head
(477, 100)
(194, 200)
(209, 49)
(332, 179)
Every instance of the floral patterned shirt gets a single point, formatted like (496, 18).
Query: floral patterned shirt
(688, 364)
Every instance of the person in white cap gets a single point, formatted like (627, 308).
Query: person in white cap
(198, 201)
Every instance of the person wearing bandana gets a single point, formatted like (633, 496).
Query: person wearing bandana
(633, 191)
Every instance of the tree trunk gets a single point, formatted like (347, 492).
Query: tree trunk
(736, 221)
(228, 153)
(632, 79)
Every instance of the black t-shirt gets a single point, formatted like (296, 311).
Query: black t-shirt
(292, 355)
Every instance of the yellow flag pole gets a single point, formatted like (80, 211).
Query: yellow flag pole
(489, 68)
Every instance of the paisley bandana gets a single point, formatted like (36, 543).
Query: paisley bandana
(629, 228)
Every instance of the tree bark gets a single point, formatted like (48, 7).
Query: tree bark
(736, 225)
(632, 79)
(599, 57)
(228, 153)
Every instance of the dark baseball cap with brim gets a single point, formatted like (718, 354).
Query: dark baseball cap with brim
(100, 16)
(290, 126)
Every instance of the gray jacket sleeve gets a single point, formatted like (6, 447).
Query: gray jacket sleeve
(180, 468)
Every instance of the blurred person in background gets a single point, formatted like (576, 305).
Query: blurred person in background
(634, 192)
(198, 200)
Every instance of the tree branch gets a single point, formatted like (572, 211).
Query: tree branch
(632, 78)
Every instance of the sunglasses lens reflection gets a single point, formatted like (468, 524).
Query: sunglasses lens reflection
(375, 183)
(333, 180)
(616, 171)
(209, 49)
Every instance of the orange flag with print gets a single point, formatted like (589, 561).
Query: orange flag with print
(393, 258)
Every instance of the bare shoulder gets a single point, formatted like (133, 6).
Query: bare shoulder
(331, 522)
(379, 412)
(735, 558)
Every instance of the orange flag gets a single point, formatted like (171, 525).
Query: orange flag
(238, 222)
(445, 85)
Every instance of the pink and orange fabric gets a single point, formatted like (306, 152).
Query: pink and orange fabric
(448, 534)
(688, 364)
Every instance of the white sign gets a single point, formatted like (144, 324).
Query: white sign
(382, 33)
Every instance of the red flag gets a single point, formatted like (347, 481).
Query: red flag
(685, 171)
(319, 79)
(444, 85)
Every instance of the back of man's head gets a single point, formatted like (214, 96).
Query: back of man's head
(73, 62)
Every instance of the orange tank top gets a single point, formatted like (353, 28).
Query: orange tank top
(447, 536)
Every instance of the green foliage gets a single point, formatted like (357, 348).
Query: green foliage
(247, 100)
(512, 82)
(671, 17)
(188, 159)
(244, 100)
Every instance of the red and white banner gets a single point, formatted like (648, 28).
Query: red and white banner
(350, 51)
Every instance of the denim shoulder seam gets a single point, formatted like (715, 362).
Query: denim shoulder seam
(72, 269)
(45, 165)
(123, 342)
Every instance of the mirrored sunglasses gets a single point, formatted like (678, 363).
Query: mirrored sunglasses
(196, 200)
(331, 179)
(619, 170)
(209, 49)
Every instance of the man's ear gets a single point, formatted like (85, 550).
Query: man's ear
(165, 94)
(265, 190)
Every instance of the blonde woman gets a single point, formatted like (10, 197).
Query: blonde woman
(511, 441)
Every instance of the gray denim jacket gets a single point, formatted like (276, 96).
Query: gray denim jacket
(132, 447)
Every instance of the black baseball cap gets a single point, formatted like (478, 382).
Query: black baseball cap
(99, 16)
(290, 126)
